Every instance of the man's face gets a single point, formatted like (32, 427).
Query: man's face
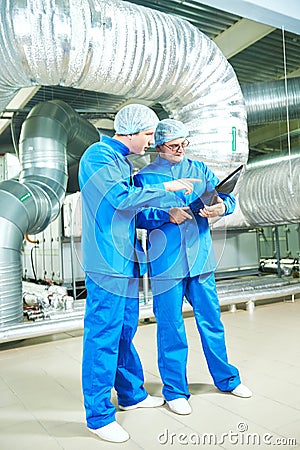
(173, 151)
(140, 142)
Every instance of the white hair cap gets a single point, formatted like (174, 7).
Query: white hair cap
(169, 129)
(132, 119)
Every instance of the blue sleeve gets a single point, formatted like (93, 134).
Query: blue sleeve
(229, 201)
(101, 176)
(151, 218)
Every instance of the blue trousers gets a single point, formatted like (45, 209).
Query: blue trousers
(109, 356)
(201, 293)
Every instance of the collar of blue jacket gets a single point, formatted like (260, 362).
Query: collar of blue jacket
(117, 145)
(165, 162)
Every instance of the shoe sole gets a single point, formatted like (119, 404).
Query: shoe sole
(180, 413)
(127, 408)
(108, 440)
(242, 396)
(130, 408)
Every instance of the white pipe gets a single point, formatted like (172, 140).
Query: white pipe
(237, 298)
(74, 321)
(46, 327)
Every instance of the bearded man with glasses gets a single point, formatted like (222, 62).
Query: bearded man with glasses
(182, 264)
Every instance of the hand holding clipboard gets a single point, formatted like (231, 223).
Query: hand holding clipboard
(210, 197)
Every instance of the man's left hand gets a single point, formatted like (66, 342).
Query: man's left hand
(213, 211)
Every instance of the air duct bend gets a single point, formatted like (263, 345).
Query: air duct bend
(134, 52)
(117, 48)
(30, 204)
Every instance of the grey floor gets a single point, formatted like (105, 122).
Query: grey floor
(41, 402)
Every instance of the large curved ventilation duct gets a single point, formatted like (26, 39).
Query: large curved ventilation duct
(118, 48)
(52, 135)
(131, 51)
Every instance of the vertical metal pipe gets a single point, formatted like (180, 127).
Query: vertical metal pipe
(145, 276)
(277, 250)
(72, 251)
(287, 246)
(258, 243)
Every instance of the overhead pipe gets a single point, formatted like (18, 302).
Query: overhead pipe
(267, 102)
(269, 190)
(117, 48)
(269, 195)
(162, 59)
(52, 134)
(120, 48)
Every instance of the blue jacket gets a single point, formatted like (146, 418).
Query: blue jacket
(109, 203)
(177, 251)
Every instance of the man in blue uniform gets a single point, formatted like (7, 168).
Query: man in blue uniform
(110, 256)
(182, 263)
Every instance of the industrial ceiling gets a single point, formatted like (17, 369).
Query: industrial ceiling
(254, 49)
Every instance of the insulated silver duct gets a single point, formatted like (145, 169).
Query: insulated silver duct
(131, 51)
(267, 102)
(113, 47)
(270, 194)
(30, 204)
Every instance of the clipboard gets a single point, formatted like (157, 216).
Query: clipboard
(226, 186)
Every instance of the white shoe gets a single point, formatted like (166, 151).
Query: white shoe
(180, 406)
(242, 391)
(148, 402)
(113, 432)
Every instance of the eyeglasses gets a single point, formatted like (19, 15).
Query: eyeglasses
(175, 147)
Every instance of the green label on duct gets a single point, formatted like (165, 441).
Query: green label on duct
(24, 197)
(233, 140)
